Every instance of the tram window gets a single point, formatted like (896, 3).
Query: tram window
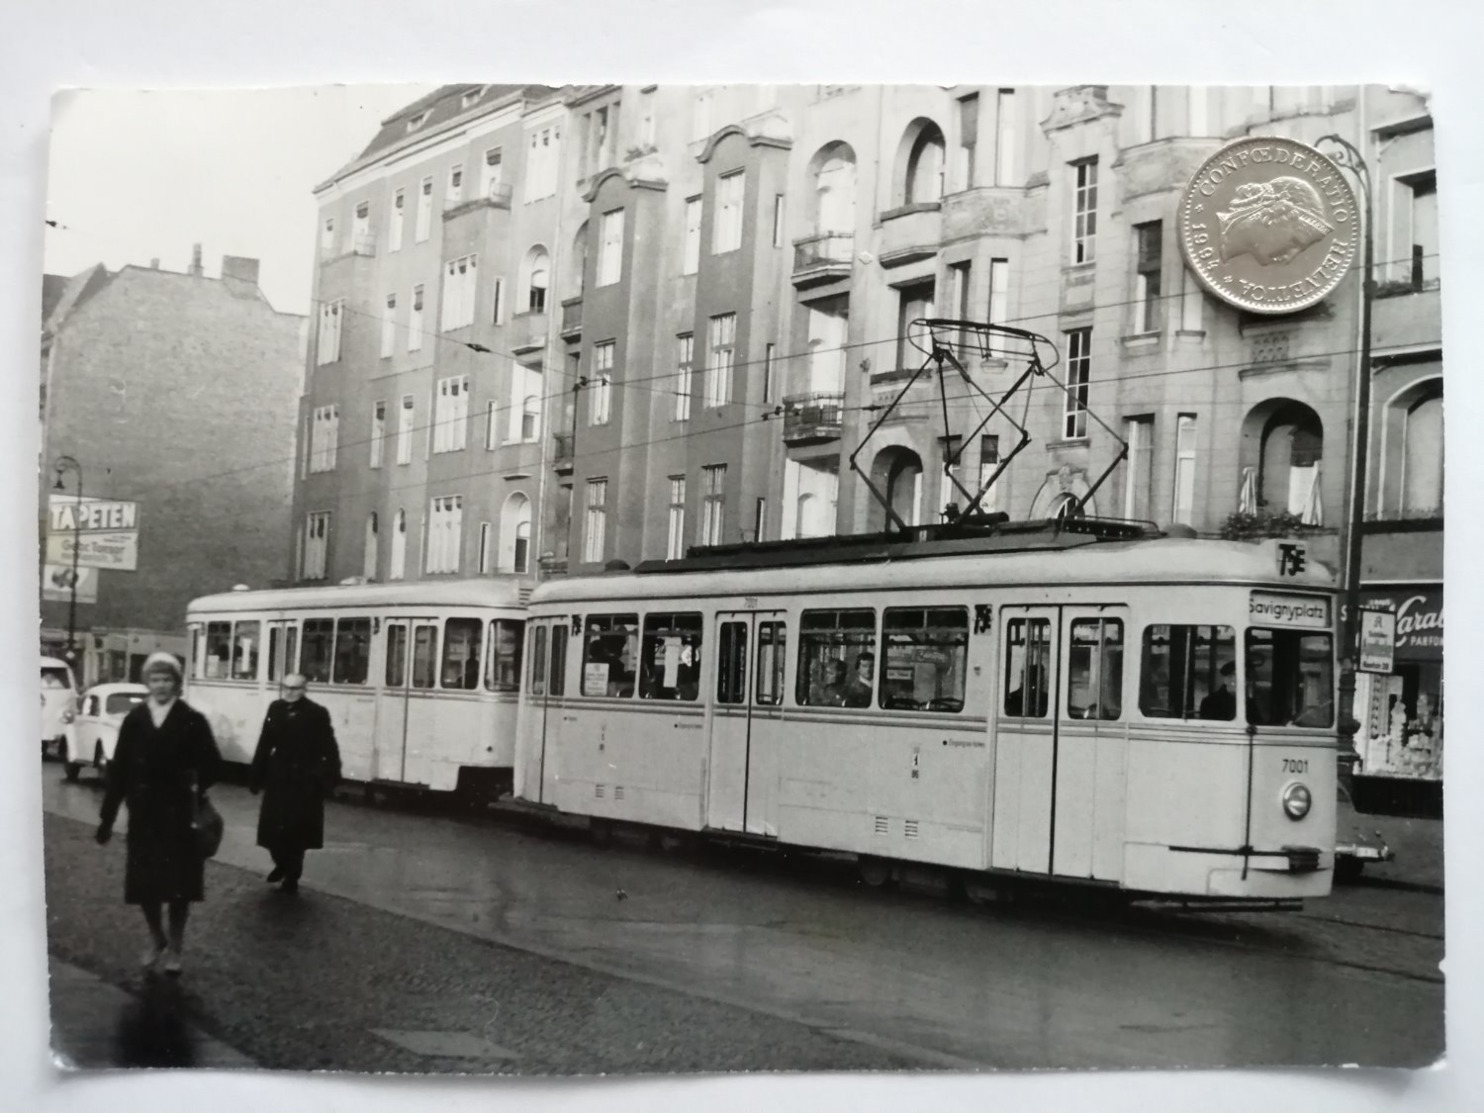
(731, 663)
(927, 657)
(462, 637)
(290, 650)
(424, 655)
(396, 656)
(670, 665)
(245, 650)
(1095, 669)
(1027, 657)
(609, 656)
(537, 683)
(198, 652)
(1290, 678)
(557, 679)
(837, 657)
(353, 650)
(1181, 675)
(218, 648)
(319, 639)
(275, 648)
(503, 669)
(772, 649)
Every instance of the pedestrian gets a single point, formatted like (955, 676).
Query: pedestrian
(165, 760)
(296, 766)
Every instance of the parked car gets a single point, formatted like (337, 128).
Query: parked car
(58, 705)
(96, 730)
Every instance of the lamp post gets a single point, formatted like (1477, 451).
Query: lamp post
(62, 464)
(1348, 158)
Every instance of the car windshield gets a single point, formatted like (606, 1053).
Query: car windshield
(122, 703)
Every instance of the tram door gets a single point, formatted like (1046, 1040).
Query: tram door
(547, 665)
(1025, 739)
(403, 716)
(746, 723)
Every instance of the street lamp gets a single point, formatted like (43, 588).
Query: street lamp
(62, 464)
(1348, 158)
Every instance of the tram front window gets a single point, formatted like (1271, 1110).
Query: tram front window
(1290, 678)
(1188, 672)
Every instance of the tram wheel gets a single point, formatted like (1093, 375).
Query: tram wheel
(873, 872)
(601, 830)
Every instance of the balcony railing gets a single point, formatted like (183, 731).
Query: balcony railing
(823, 257)
(813, 416)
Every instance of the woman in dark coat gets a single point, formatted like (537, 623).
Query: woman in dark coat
(166, 757)
(296, 766)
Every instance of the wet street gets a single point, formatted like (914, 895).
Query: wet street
(502, 943)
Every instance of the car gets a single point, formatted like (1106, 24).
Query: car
(58, 705)
(96, 730)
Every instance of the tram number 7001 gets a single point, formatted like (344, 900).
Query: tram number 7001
(1292, 765)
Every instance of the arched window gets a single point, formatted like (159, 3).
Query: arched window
(535, 276)
(530, 418)
(399, 546)
(1422, 457)
(369, 562)
(1292, 453)
(924, 180)
(834, 190)
(897, 475)
(515, 535)
(579, 263)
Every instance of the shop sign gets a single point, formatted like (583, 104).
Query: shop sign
(1419, 618)
(1377, 640)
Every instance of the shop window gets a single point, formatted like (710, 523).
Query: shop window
(926, 662)
(837, 657)
(1182, 668)
(670, 666)
(610, 655)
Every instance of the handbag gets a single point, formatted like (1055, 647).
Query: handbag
(207, 825)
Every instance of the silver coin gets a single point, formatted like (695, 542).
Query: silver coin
(1269, 225)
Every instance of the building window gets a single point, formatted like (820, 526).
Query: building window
(327, 239)
(525, 404)
(492, 175)
(1414, 231)
(1292, 456)
(1422, 456)
(999, 291)
(378, 432)
(515, 534)
(700, 120)
(684, 352)
(484, 548)
(316, 544)
(455, 192)
(424, 210)
(598, 401)
(451, 415)
(491, 410)
(1196, 123)
(399, 547)
(1079, 368)
(543, 161)
(962, 276)
(368, 560)
(834, 193)
(610, 248)
(1084, 210)
(770, 374)
(968, 138)
(675, 548)
(1138, 484)
(647, 131)
(1148, 246)
(914, 302)
(1184, 469)
(1005, 138)
(778, 215)
(399, 213)
(415, 321)
(595, 530)
(445, 534)
(497, 310)
(460, 284)
(727, 235)
(361, 241)
(325, 439)
(537, 270)
(405, 418)
(713, 503)
(692, 261)
(723, 338)
(331, 316)
(924, 180)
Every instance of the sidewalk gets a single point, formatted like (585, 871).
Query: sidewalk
(98, 1026)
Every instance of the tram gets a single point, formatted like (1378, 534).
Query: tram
(421, 679)
(1070, 701)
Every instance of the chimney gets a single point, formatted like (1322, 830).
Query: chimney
(244, 268)
(195, 260)
(154, 263)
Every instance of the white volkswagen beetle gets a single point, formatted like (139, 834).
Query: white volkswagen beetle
(96, 730)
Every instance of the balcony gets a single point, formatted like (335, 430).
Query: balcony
(910, 233)
(813, 417)
(527, 332)
(572, 317)
(823, 258)
(361, 244)
(563, 447)
(498, 197)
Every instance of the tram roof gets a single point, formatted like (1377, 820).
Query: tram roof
(1086, 560)
(492, 593)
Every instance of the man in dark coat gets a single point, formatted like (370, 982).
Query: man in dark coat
(296, 766)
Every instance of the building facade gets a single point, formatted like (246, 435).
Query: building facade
(176, 392)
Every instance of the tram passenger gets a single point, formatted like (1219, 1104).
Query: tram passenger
(1031, 684)
(1221, 703)
(832, 691)
(857, 692)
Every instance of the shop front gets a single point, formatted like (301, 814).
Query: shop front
(1400, 740)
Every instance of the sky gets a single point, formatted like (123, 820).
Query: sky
(137, 174)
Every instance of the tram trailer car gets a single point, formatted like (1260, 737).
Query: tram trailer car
(421, 679)
(1036, 706)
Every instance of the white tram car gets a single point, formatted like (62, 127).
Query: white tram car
(421, 679)
(1034, 702)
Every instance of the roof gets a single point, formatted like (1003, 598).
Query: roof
(103, 690)
(444, 106)
(52, 287)
(75, 291)
(483, 593)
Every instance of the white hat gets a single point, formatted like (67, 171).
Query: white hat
(163, 661)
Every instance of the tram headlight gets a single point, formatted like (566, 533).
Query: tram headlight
(1296, 801)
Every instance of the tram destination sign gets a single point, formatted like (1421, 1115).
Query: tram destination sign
(1288, 610)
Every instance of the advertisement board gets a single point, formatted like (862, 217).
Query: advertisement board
(56, 583)
(105, 533)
